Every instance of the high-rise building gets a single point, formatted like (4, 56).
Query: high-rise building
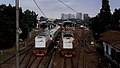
(67, 16)
(86, 16)
(72, 16)
(79, 16)
(62, 16)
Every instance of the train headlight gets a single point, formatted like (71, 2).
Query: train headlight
(71, 39)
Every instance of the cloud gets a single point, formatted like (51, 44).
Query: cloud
(12, 2)
(53, 8)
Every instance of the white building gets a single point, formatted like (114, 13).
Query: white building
(71, 16)
(79, 16)
(67, 16)
(62, 16)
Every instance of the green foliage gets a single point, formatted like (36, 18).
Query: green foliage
(102, 21)
(27, 22)
(116, 19)
(105, 16)
(8, 24)
(105, 20)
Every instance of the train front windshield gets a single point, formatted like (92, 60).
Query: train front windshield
(67, 35)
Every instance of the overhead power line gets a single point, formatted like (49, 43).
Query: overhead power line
(67, 6)
(39, 8)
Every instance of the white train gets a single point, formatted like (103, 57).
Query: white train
(67, 49)
(43, 41)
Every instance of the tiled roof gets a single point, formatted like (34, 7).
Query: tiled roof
(117, 46)
(110, 36)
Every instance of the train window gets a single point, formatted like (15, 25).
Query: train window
(67, 35)
(39, 37)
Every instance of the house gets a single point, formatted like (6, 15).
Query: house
(111, 45)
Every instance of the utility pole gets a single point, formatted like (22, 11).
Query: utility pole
(17, 33)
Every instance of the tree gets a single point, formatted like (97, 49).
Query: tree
(105, 16)
(116, 20)
(8, 24)
(28, 22)
(102, 21)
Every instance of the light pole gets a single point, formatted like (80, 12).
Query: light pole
(17, 33)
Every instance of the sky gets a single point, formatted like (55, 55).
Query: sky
(54, 8)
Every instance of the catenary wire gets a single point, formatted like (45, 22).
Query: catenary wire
(39, 8)
(67, 6)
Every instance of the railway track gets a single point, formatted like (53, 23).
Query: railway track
(78, 51)
(40, 62)
(34, 62)
(23, 55)
(68, 63)
(93, 60)
(83, 55)
(21, 52)
(98, 61)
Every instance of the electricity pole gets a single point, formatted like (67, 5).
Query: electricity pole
(17, 33)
